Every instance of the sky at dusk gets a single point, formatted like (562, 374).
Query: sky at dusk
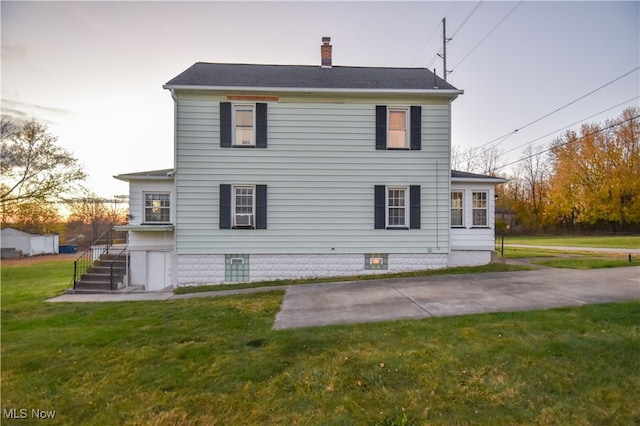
(93, 71)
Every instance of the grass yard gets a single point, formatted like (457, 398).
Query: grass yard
(218, 361)
(528, 253)
(588, 262)
(626, 242)
(574, 259)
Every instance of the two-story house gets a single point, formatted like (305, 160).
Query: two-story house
(305, 171)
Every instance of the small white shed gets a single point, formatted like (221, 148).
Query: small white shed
(28, 244)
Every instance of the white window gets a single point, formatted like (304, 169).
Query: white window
(480, 208)
(157, 207)
(243, 206)
(244, 119)
(398, 125)
(457, 208)
(397, 211)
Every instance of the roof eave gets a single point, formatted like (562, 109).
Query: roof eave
(449, 93)
(134, 176)
(494, 180)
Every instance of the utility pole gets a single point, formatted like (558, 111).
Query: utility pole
(445, 40)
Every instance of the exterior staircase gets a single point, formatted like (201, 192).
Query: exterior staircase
(99, 276)
(103, 267)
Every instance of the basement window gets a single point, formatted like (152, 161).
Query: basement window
(376, 261)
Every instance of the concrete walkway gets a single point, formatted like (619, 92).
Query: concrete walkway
(383, 300)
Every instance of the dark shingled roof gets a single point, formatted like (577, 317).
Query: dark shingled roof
(466, 175)
(151, 174)
(308, 77)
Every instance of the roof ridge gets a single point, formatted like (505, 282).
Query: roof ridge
(312, 66)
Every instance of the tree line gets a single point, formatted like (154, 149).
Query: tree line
(586, 180)
(40, 181)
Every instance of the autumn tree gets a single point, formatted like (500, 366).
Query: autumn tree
(33, 168)
(596, 174)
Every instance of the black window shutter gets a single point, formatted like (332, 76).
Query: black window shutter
(261, 125)
(414, 207)
(261, 206)
(416, 127)
(381, 127)
(225, 206)
(379, 207)
(225, 124)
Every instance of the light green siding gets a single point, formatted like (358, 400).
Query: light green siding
(320, 167)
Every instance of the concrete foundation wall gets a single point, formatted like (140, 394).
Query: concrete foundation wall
(218, 269)
(469, 257)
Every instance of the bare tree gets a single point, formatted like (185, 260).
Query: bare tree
(33, 167)
(484, 160)
(98, 214)
(532, 177)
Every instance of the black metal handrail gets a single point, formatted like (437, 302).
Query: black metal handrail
(119, 268)
(99, 247)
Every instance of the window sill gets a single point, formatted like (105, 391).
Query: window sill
(397, 228)
(398, 149)
(480, 227)
(243, 146)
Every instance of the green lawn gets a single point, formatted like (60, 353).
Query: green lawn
(218, 361)
(628, 242)
(588, 262)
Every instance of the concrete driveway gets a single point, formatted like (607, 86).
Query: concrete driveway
(383, 300)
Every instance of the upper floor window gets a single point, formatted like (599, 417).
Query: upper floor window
(157, 207)
(398, 127)
(480, 208)
(243, 125)
(457, 206)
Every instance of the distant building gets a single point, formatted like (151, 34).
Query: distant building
(18, 244)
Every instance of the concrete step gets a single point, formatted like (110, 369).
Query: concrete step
(107, 262)
(85, 284)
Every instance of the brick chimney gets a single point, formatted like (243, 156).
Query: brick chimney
(325, 52)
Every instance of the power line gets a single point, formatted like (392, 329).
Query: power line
(438, 52)
(488, 34)
(466, 19)
(572, 124)
(505, 136)
(568, 142)
(425, 46)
